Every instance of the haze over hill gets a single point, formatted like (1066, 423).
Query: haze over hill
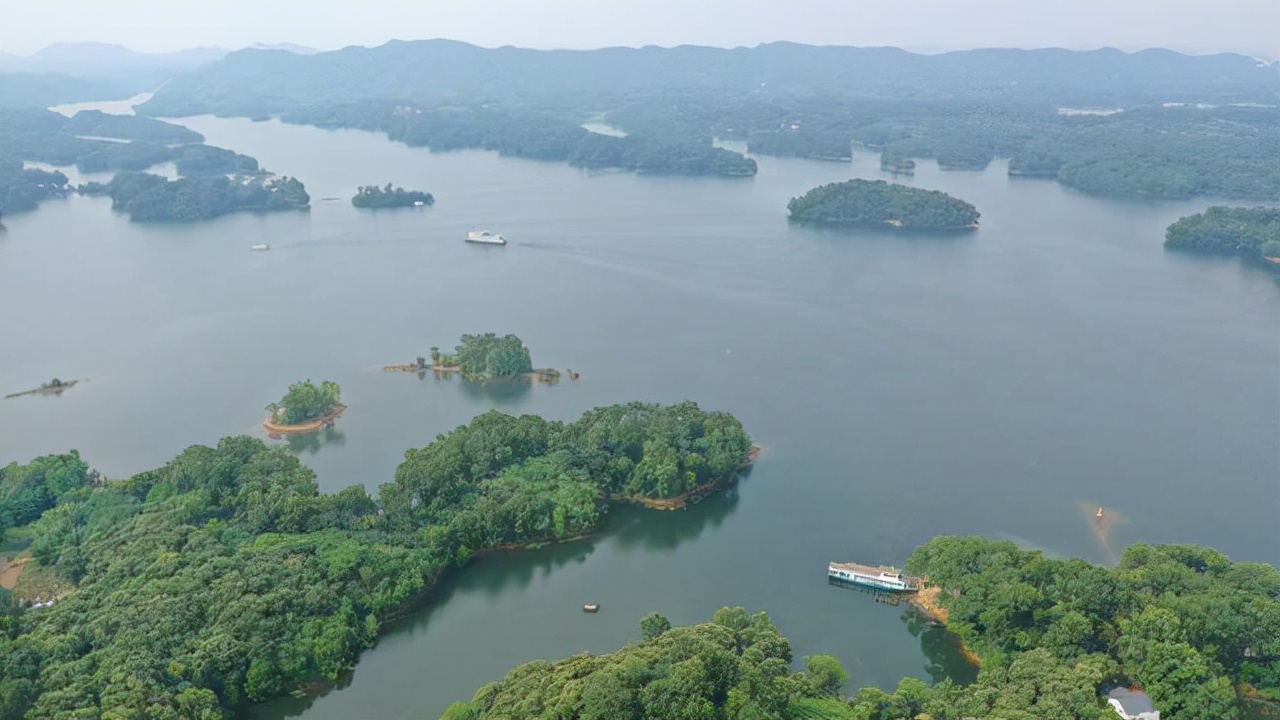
(1245, 26)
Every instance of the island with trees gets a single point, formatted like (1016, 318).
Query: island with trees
(1252, 233)
(486, 358)
(226, 577)
(305, 408)
(372, 196)
(214, 181)
(1199, 633)
(878, 204)
(152, 198)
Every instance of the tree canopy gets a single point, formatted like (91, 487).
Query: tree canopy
(306, 401)
(226, 577)
(152, 198)
(876, 203)
(1183, 621)
(1248, 232)
(372, 196)
(489, 357)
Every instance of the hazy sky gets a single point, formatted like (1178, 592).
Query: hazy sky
(1248, 26)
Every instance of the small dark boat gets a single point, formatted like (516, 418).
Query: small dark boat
(591, 607)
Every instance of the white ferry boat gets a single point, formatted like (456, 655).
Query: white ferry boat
(486, 237)
(882, 578)
(261, 246)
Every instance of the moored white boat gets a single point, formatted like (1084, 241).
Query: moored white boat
(260, 246)
(886, 579)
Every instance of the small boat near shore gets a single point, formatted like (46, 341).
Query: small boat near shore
(484, 237)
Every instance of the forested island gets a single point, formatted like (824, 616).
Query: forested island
(878, 204)
(372, 196)
(214, 181)
(152, 198)
(487, 357)
(226, 577)
(306, 407)
(1171, 125)
(1251, 233)
(1199, 633)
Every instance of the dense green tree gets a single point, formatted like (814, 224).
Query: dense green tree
(306, 401)
(653, 625)
(1248, 232)
(875, 203)
(372, 196)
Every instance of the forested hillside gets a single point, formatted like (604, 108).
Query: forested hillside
(1251, 233)
(878, 204)
(226, 577)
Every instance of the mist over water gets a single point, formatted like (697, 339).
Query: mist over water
(905, 387)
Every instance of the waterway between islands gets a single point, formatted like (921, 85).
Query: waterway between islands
(990, 383)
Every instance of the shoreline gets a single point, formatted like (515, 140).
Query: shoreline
(926, 601)
(695, 494)
(326, 420)
(539, 375)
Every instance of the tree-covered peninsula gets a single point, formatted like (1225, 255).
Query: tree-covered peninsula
(1252, 233)
(878, 204)
(372, 196)
(215, 181)
(152, 198)
(1199, 633)
(226, 576)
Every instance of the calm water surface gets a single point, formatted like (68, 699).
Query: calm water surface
(904, 387)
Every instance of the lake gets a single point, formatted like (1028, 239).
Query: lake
(1003, 382)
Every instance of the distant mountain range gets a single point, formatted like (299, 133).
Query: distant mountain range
(104, 60)
(437, 72)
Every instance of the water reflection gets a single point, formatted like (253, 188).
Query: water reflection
(943, 657)
(497, 393)
(312, 442)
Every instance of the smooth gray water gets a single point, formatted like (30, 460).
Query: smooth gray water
(904, 387)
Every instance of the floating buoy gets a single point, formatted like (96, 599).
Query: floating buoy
(590, 607)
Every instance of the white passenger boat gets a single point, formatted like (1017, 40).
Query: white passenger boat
(485, 237)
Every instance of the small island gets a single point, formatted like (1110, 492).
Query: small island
(1251, 233)
(372, 196)
(306, 408)
(897, 164)
(53, 387)
(485, 358)
(878, 204)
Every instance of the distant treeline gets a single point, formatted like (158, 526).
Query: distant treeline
(1189, 126)
(372, 196)
(215, 181)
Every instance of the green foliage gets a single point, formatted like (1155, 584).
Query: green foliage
(875, 203)
(489, 357)
(27, 491)
(307, 401)
(151, 198)
(1183, 621)
(732, 667)
(23, 189)
(372, 196)
(653, 625)
(96, 123)
(225, 577)
(1249, 232)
